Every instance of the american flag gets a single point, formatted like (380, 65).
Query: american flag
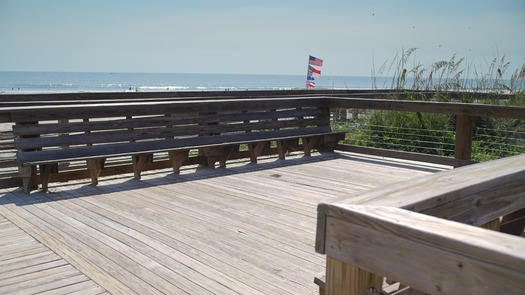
(314, 72)
(314, 61)
(310, 84)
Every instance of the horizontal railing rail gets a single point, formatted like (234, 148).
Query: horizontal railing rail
(470, 109)
(19, 100)
(12, 100)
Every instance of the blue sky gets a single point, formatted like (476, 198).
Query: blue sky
(254, 37)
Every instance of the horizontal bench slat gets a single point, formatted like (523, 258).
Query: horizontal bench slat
(158, 133)
(140, 109)
(159, 120)
(123, 149)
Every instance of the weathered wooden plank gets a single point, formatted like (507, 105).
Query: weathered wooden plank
(205, 249)
(435, 159)
(141, 108)
(122, 149)
(284, 236)
(79, 288)
(182, 267)
(492, 225)
(30, 267)
(134, 261)
(34, 268)
(156, 121)
(514, 223)
(464, 134)
(68, 98)
(119, 97)
(28, 282)
(56, 281)
(14, 236)
(6, 228)
(469, 109)
(16, 246)
(346, 279)
(148, 134)
(327, 175)
(120, 168)
(222, 226)
(35, 257)
(76, 251)
(430, 254)
(468, 194)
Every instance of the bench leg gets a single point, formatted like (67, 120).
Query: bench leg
(27, 174)
(95, 167)
(212, 155)
(219, 154)
(177, 159)
(139, 162)
(309, 143)
(283, 145)
(256, 149)
(210, 161)
(45, 173)
(330, 142)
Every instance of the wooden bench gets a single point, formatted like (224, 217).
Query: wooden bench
(47, 136)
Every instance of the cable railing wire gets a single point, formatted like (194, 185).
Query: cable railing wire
(496, 142)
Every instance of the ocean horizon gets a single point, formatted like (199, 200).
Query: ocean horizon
(12, 82)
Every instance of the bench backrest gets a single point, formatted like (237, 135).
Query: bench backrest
(97, 129)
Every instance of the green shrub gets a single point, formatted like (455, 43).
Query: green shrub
(434, 133)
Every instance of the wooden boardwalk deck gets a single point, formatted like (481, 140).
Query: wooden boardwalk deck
(28, 267)
(246, 229)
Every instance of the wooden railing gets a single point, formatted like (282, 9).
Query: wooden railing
(464, 112)
(19, 100)
(348, 99)
(423, 234)
(10, 100)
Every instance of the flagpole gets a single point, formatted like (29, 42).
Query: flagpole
(307, 71)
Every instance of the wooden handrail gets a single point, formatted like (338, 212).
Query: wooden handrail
(453, 108)
(408, 231)
(363, 93)
(430, 254)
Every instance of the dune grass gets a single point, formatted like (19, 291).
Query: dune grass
(455, 74)
(434, 133)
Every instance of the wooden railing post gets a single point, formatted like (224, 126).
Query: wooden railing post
(513, 223)
(464, 135)
(492, 225)
(345, 279)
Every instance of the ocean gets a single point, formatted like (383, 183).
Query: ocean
(63, 82)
